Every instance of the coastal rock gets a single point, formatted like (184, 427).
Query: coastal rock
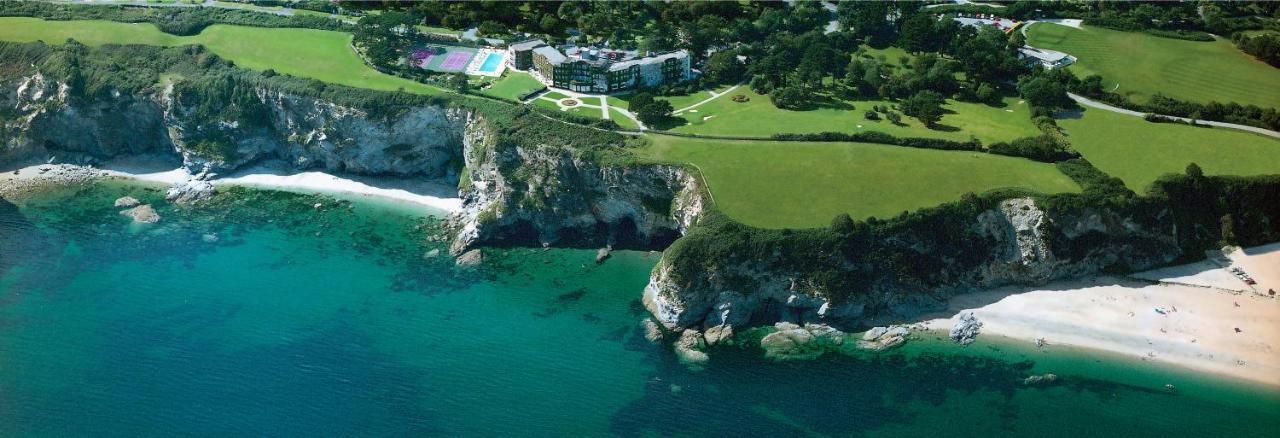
(652, 332)
(470, 259)
(602, 254)
(690, 348)
(966, 329)
(432, 254)
(1040, 379)
(794, 342)
(561, 198)
(883, 338)
(717, 334)
(126, 201)
(142, 214)
(191, 191)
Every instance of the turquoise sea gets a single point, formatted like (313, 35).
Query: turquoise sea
(299, 321)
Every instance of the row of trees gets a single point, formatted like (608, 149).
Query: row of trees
(1265, 47)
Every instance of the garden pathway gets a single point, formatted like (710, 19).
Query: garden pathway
(714, 96)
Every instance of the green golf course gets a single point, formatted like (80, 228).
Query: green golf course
(1140, 65)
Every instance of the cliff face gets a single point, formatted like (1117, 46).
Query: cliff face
(46, 120)
(1016, 242)
(549, 195)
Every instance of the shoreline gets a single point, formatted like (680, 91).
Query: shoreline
(1202, 310)
(441, 198)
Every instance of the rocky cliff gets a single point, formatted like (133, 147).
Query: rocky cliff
(860, 277)
(544, 194)
(45, 119)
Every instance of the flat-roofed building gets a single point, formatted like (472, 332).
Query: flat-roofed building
(593, 70)
(1047, 58)
(521, 54)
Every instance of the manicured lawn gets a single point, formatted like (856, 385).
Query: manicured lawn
(792, 184)
(555, 95)
(1144, 64)
(546, 104)
(513, 85)
(317, 54)
(586, 112)
(891, 56)
(677, 102)
(1138, 151)
(758, 117)
(622, 120)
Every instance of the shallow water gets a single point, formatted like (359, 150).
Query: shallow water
(331, 321)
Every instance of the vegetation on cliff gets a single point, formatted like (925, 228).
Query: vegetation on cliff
(933, 247)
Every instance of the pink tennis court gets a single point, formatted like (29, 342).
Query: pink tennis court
(456, 61)
(443, 58)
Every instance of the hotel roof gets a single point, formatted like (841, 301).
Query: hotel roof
(656, 59)
(553, 56)
(528, 45)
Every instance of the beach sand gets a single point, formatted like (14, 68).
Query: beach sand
(433, 195)
(1202, 311)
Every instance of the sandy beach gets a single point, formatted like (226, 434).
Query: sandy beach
(428, 194)
(1198, 316)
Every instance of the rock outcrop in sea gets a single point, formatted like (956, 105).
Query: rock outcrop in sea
(966, 329)
(142, 214)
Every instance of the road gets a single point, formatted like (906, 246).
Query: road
(1099, 105)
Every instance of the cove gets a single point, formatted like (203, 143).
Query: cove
(259, 314)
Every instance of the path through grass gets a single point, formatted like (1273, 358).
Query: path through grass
(1138, 151)
(317, 54)
(1144, 64)
(794, 184)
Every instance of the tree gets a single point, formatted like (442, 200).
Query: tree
(987, 94)
(868, 21)
(917, 34)
(1045, 89)
(640, 100)
(491, 28)
(458, 81)
(789, 98)
(655, 112)
(1228, 225)
(925, 105)
(1193, 170)
(842, 224)
(723, 68)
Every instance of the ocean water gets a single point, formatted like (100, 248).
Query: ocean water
(300, 321)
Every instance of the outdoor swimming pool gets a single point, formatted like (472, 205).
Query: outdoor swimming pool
(491, 63)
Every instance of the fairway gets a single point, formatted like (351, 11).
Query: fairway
(759, 118)
(800, 184)
(317, 54)
(1143, 65)
(1138, 151)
